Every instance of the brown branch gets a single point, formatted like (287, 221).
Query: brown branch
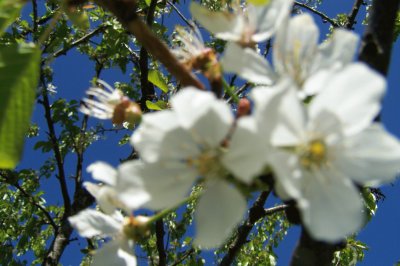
(56, 149)
(180, 13)
(376, 46)
(162, 255)
(325, 18)
(146, 87)
(256, 212)
(310, 252)
(187, 254)
(81, 40)
(351, 18)
(124, 10)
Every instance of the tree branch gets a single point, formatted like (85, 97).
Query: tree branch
(124, 11)
(162, 255)
(83, 39)
(376, 46)
(309, 252)
(146, 87)
(56, 150)
(325, 18)
(256, 212)
(351, 18)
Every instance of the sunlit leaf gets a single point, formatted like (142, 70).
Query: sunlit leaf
(259, 2)
(19, 73)
(157, 106)
(157, 79)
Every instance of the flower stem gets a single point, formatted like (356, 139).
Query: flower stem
(167, 211)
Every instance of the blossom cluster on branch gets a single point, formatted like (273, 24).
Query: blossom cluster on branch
(311, 126)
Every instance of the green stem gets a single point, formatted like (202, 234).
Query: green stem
(165, 212)
(230, 91)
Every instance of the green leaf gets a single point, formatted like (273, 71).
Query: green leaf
(77, 16)
(259, 2)
(157, 79)
(19, 74)
(157, 106)
(9, 11)
(148, 2)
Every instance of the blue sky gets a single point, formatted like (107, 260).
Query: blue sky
(72, 78)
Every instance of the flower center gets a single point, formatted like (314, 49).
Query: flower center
(314, 154)
(208, 163)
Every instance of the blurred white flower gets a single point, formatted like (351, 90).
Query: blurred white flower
(115, 190)
(119, 251)
(296, 54)
(190, 44)
(109, 103)
(185, 143)
(330, 145)
(246, 26)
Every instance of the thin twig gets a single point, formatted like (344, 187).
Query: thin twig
(56, 149)
(255, 213)
(180, 14)
(351, 18)
(124, 11)
(83, 39)
(181, 259)
(325, 18)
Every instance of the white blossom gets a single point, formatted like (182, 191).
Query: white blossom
(191, 44)
(180, 145)
(324, 149)
(296, 54)
(119, 251)
(115, 191)
(109, 103)
(246, 26)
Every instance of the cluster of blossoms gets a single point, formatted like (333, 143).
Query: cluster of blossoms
(320, 150)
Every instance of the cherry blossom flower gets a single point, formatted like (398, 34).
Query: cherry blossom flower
(246, 26)
(115, 190)
(119, 251)
(180, 145)
(324, 149)
(296, 54)
(109, 103)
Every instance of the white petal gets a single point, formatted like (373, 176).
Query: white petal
(288, 176)
(104, 195)
(191, 104)
(291, 118)
(339, 50)
(147, 137)
(213, 127)
(178, 144)
(269, 17)
(115, 253)
(130, 187)
(295, 48)
(247, 153)
(167, 183)
(103, 172)
(332, 207)
(371, 157)
(91, 223)
(220, 208)
(248, 64)
(223, 25)
(353, 95)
